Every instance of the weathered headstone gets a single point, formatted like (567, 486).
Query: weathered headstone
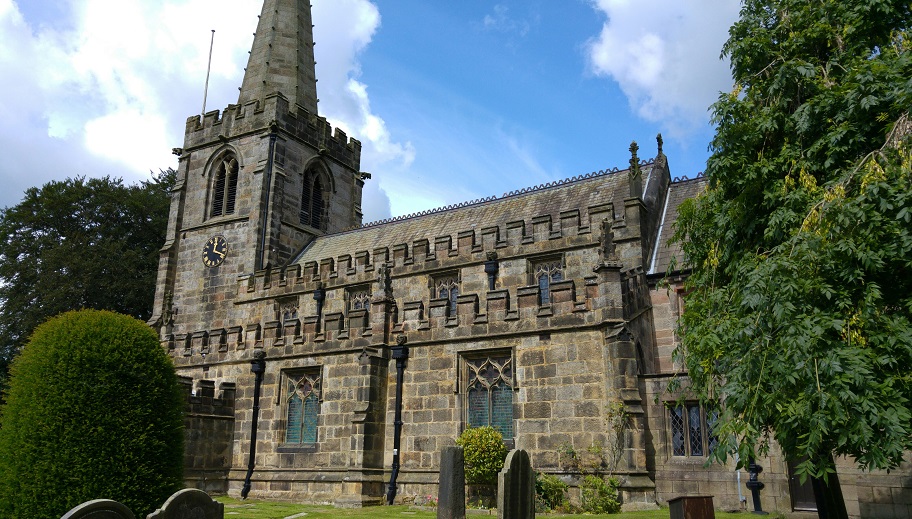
(100, 509)
(516, 487)
(451, 492)
(189, 503)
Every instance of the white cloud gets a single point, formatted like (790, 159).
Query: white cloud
(107, 92)
(656, 51)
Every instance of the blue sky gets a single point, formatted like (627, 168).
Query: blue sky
(452, 100)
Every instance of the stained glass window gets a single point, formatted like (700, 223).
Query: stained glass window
(359, 298)
(302, 400)
(489, 392)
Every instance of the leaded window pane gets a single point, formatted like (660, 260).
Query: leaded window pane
(695, 430)
(502, 409)
(712, 418)
(677, 431)
(478, 407)
(309, 421)
(359, 299)
(295, 416)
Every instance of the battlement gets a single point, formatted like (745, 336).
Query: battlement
(201, 400)
(574, 304)
(273, 112)
(542, 234)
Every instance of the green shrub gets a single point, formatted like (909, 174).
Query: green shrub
(550, 492)
(598, 496)
(93, 411)
(484, 453)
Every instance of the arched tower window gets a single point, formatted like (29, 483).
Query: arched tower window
(224, 189)
(313, 204)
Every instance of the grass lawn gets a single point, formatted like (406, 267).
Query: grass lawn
(258, 509)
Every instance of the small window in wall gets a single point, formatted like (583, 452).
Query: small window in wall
(489, 392)
(692, 430)
(446, 287)
(359, 298)
(301, 390)
(313, 204)
(224, 186)
(544, 274)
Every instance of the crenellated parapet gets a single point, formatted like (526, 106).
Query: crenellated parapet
(272, 113)
(200, 398)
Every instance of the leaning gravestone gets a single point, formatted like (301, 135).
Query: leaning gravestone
(516, 487)
(451, 492)
(189, 503)
(100, 509)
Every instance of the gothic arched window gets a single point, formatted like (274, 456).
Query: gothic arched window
(224, 188)
(313, 205)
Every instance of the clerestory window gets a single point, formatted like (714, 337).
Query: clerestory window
(301, 389)
(447, 287)
(489, 392)
(544, 274)
(224, 186)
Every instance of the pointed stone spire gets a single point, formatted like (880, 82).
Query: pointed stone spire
(282, 57)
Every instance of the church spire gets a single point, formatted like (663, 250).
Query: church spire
(282, 58)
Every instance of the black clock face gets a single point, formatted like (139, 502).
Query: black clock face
(214, 251)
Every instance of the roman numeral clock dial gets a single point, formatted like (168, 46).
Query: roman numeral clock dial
(214, 251)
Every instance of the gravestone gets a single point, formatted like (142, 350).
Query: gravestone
(189, 503)
(100, 509)
(516, 487)
(451, 492)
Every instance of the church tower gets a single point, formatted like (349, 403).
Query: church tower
(256, 182)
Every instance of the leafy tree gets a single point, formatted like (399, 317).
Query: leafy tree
(800, 312)
(79, 243)
(93, 411)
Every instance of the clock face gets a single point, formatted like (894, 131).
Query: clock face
(214, 251)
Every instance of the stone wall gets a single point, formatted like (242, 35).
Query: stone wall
(209, 434)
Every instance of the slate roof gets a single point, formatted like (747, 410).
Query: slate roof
(547, 199)
(677, 193)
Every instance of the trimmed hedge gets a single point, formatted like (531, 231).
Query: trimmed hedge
(93, 410)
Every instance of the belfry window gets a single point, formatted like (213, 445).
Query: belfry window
(313, 205)
(224, 187)
(489, 392)
(544, 274)
(447, 287)
(302, 406)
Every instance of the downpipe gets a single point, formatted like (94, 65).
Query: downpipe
(258, 367)
(400, 355)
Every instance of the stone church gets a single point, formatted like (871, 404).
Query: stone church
(541, 312)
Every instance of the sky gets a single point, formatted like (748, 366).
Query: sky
(452, 101)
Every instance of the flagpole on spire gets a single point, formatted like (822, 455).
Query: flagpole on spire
(208, 67)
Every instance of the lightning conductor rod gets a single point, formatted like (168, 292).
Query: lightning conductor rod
(208, 67)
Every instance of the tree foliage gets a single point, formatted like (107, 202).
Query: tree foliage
(799, 315)
(79, 243)
(93, 411)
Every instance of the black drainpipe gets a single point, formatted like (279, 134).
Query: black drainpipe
(400, 354)
(257, 366)
(319, 297)
(261, 260)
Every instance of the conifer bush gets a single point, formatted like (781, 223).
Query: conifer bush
(93, 410)
(484, 452)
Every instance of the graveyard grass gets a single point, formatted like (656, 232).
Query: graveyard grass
(259, 509)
